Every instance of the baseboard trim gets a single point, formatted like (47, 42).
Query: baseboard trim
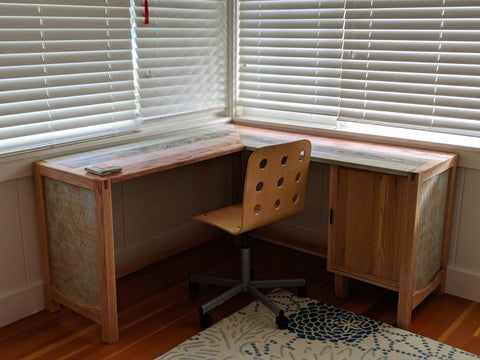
(140, 255)
(21, 304)
(297, 238)
(463, 284)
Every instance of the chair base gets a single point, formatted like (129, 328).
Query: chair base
(245, 285)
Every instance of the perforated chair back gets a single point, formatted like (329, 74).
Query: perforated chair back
(275, 183)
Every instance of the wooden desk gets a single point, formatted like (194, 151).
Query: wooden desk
(395, 189)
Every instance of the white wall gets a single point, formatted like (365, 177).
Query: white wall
(152, 214)
(463, 276)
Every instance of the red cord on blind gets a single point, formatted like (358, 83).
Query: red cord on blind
(146, 12)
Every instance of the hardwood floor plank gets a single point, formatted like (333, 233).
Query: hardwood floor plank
(477, 332)
(433, 317)
(38, 337)
(160, 342)
(12, 329)
(458, 321)
(465, 333)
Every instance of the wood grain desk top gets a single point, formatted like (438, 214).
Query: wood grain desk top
(146, 157)
(355, 154)
(151, 156)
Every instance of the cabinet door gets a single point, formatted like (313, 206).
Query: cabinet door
(367, 225)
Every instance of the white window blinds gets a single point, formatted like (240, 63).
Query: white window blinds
(412, 63)
(290, 55)
(407, 63)
(181, 56)
(65, 71)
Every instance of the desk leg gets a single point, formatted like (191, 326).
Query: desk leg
(447, 227)
(341, 286)
(404, 309)
(408, 256)
(106, 261)
(50, 304)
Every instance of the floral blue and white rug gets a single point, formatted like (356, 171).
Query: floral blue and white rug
(315, 331)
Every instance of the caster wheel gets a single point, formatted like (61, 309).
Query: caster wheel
(302, 292)
(205, 319)
(282, 321)
(192, 286)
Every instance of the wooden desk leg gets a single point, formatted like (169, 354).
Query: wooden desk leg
(408, 257)
(404, 310)
(341, 286)
(50, 304)
(447, 228)
(106, 261)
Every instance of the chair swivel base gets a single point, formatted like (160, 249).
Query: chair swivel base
(245, 285)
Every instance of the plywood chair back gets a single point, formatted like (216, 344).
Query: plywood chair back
(275, 183)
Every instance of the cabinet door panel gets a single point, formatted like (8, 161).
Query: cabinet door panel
(368, 222)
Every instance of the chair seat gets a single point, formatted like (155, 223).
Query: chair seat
(228, 218)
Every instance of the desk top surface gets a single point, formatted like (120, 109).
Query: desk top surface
(150, 156)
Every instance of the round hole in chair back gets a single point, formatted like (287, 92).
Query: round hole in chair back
(280, 182)
(284, 160)
(257, 209)
(259, 186)
(277, 204)
(295, 198)
(297, 177)
(301, 155)
(263, 164)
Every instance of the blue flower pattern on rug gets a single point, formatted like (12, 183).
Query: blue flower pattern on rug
(318, 321)
(315, 331)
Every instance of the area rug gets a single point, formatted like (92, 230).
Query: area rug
(315, 331)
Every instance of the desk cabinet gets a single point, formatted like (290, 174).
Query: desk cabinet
(391, 230)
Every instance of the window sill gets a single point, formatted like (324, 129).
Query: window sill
(467, 147)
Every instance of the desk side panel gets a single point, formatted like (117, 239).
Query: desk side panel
(72, 241)
(431, 229)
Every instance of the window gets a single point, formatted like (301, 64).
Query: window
(413, 64)
(290, 57)
(76, 70)
(65, 72)
(181, 56)
(403, 63)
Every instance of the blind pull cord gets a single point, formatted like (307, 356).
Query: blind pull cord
(146, 12)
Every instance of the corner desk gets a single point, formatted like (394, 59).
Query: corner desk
(390, 214)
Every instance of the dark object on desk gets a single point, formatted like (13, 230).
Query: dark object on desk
(103, 170)
(275, 185)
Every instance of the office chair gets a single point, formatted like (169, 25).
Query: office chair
(274, 189)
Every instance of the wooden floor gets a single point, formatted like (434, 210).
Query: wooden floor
(156, 312)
